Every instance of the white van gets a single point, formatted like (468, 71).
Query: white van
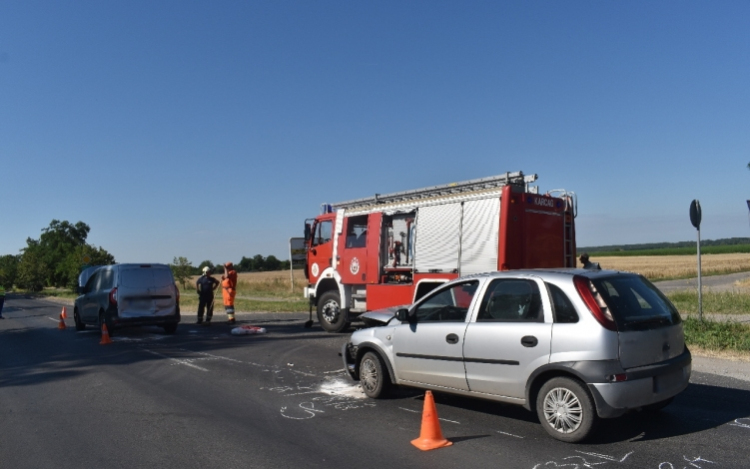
(127, 295)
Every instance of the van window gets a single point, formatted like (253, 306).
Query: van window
(636, 304)
(145, 277)
(92, 283)
(107, 281)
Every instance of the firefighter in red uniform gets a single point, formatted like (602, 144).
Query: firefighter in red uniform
(229, 290)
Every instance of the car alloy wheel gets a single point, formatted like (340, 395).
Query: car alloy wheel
(562, 410)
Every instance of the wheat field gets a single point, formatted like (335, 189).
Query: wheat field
(671, 267)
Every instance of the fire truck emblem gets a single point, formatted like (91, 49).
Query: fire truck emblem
(354, 266)
(315, 270)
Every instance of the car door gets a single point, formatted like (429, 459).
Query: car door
(509, 338)
(430, 349)
(89, 304)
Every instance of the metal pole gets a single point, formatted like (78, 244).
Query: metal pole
(700, 286)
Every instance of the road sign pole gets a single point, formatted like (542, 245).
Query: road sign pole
(700, 286)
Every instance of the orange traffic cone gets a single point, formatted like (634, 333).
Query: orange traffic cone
(430, 437)
(105, 335)
(61, 324)
(64, 313)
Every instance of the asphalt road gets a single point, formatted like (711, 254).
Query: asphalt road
(204, 398)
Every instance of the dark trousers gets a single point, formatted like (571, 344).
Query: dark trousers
(205, 304)
(2, 300)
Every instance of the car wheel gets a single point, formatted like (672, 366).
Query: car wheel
(170, 328)
(566, 409)
(330, 315)
(373, 376)
(657, 406)
(110, 326)
(80, 325)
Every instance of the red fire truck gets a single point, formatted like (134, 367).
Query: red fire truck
(390, 250)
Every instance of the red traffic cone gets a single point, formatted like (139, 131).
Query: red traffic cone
(430, 437)
(61, 325)
(64, 313)
(105, 336)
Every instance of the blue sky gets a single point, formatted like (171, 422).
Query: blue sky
(211, 130)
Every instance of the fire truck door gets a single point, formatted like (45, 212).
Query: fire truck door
(321, 248)
(354, 239)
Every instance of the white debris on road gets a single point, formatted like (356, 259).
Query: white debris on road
(338, 387)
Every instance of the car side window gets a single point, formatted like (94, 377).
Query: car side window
(511, 300)
(107, 281)
(448, 305)
(565, 312)
(92, 283)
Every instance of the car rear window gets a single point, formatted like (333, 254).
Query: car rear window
(635, 303)
(146, 277)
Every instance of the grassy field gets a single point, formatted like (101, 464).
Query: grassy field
(674, 267)
(684, 251)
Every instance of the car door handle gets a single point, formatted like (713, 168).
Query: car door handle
(451, 338)
(529, 341)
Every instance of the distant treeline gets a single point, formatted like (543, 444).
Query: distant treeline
(708, 246)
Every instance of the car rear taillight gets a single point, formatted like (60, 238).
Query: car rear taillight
(113, 296)
(595, 302)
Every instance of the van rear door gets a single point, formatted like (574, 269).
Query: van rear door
(648, 324)
(146, 290)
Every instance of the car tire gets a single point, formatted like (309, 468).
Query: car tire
(566, 409)
(373, 376)
(170, 328)
(330, 315)
(80, 325)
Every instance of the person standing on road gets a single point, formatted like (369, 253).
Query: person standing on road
(2, 300)
(587, 264)
(206, 285)
(229, 290)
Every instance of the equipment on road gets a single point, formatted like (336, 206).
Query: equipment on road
(61, 325)
(389, 250)
(430, 435)
(64, 313)
(105, 335)
(248, 330)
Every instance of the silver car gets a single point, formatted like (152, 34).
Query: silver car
(573, 345)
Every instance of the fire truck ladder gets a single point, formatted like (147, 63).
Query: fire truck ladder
(571, 210)
(442, 190)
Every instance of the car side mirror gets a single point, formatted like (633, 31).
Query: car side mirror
(405, 315)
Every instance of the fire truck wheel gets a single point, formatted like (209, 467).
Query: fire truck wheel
(373, 376)
(330, 315)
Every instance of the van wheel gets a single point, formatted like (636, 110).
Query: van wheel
(170, 328)
(566, 410)
(330, 315)
(80, 325)
(373, 376)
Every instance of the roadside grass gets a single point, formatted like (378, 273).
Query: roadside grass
(717, 336)
(676, 267)
(725, 249)
(731, 302)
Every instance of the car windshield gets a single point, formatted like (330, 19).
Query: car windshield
(635, 303)
(145, 277)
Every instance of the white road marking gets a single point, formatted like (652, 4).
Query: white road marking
(509, 434)
(178, 361)
(409, 410)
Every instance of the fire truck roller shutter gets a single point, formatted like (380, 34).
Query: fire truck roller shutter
(479, 236)
(438, 236)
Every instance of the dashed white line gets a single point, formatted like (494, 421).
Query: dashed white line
(509, 434)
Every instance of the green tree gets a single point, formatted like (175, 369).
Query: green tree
(8, 270)
(58, 242)
(259, 263)
(181, 269)
(203, 264)
(272, 263)
(32, 269)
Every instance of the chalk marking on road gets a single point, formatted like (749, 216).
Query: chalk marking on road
(53, 319)
(737, 423)
(449, 421)
(409, 410)
(176, 360)
(509, 434)
(607, 457)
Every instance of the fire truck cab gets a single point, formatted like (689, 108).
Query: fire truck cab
(390, 250)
